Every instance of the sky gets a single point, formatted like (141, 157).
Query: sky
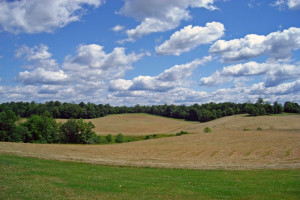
(128, 52)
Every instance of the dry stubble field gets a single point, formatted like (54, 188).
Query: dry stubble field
(228, 146)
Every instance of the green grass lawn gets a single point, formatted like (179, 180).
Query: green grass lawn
(31, 178)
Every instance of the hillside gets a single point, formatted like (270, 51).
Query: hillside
(228, 146)
(137, 124)
(145, 124)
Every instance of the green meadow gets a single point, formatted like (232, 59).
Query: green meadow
(32, 178)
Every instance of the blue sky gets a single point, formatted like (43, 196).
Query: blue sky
(128, 52)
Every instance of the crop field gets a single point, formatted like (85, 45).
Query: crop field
(236, 142)
(242, 158)
(145, 124)
(136, 124)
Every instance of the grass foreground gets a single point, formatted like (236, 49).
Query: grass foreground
(32, 178)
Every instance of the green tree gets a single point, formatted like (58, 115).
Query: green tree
(277, 108)
(8, 126)
(41, 128)
(109, 138)
(119, 138)
(291, 107)
(78, 131)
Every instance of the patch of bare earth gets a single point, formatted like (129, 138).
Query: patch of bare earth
(276, 146)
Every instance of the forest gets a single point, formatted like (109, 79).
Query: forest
(41, 127)
(196, 112)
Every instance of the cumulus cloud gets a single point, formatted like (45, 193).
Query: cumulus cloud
(291, 88)
(159, 16)
(274, 73)
(42, 76)
(35, 16)
(291, 4)
(174, 77)
(294, 4)
(38, 57)
(190, 37)
(182, 95)
(285, 88)
(82, 77)
(49, 89)
(92, 63)
(278, 45)
(45, 68)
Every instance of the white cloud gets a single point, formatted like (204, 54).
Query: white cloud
(159, 16)
(82, 77)
(92, 63)
(278, 44)
(280, 73)
(117, 28)
(120, 84)
(283, 89)
(189, 38)
(41, 76)
(274, 73)
(49, 89)
(38, 56)
(292, 4)
(45, 68)
(181, 95)
(174, 77)
(35, 16)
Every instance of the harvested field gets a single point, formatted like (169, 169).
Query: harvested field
(276, 146)
(137, 124)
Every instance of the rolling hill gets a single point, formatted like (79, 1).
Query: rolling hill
(236, 142)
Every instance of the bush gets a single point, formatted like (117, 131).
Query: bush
(78, 131)
(109, 138)
(119, 138)
(246, 129)
(181, 133)
(40, 129)
(207, 130)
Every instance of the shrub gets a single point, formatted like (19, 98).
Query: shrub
(207, 130)
(119, 138)
(79, 132)
(129, 139)
(109, 138)
(40, 129)
(246, 129)
(259, 129)
(181, 133)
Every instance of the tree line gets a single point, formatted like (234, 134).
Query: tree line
(196, 112)
(41, 126)
(44, 129)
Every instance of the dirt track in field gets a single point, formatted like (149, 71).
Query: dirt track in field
(276, 146)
